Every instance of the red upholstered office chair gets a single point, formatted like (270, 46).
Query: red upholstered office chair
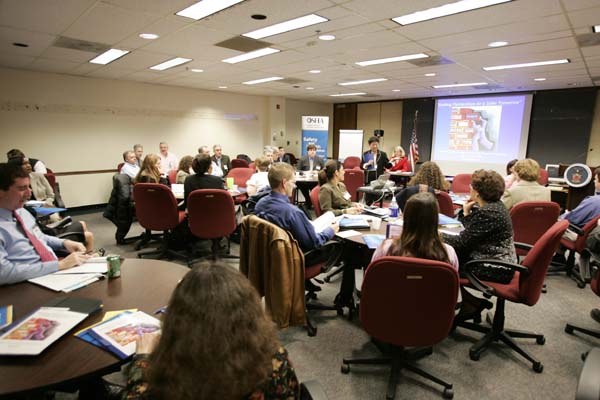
(240, 177)
(351, 162)
(525, 288)
(156, 210)
(314, 198)
(353, 179)
(445, 203)
(461, 183)
(531, 219)
(577, 247)
(595, 286)
(51, 178)
(239, 163)
(211, 215)
(172, 176)
(407, 302)
(543, 179)
(252, 166)
(119, 166)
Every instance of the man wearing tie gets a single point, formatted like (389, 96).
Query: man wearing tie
(26, 252)
(373, 161)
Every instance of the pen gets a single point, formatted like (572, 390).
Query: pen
(161, 310)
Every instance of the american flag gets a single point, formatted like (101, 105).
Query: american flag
(414, 147)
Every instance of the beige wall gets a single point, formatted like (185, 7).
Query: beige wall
(83, 124)
(295, 109)
(384, 115)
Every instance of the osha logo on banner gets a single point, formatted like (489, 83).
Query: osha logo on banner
(316, 123)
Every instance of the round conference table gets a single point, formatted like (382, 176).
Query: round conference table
(144, 284)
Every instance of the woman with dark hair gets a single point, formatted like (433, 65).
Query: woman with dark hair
(510, 174)
(216, 343)
(420, 237)
(184, 169)
(429, 178)
(488, 229)
(149, 172)
(202, 179)
(333, 195)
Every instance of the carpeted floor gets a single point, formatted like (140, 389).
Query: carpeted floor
(500, 374)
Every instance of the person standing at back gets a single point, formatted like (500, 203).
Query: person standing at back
(374, 160)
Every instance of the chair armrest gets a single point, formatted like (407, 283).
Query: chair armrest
(60, 224)
(332, 248)
(312, 390)
(478, 284)
(523, 246)
(588, 386)
(576, 229)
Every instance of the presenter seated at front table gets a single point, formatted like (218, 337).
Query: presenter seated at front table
(26, 252)
(374, 160)
(333, 195)
(398, 162)
(310, 162)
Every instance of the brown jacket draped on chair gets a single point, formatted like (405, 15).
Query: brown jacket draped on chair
(271, 259)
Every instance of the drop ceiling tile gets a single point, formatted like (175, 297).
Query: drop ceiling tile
(585, 18)
(571, 5)
(162, 27)
(15, 60)
(38, 42)
(110, 72)
(157, 7)
(47, 65)
(49, 16)
(60, 53)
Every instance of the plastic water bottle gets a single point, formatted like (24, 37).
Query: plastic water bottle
(394, 208)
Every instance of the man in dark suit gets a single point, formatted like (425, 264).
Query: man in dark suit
(282, 157)
(311, 161)
(374, 160)
(221, 160)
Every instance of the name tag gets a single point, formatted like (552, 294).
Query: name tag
(37, 232)
(347, 196)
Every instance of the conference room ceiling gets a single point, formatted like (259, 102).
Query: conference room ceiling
(536, 30)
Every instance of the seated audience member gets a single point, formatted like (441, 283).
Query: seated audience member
(399, 161)
(40, 187)
(281, 156)
(150, 172)
(168, 161)
(429, 178)
(333, 195)
(373, 161)
(525, 186)
(138, 149)
(488, 229)
(259, 179)
(26, 252)
(311, 161)
(276, 208)
(216, 170)
(203, 178)
(221, 160)
(587, 209)
(185, 169)
(130, 166)
(510, 174)
(268, 153)
(420, 237)
(199, 356)
(38, 165)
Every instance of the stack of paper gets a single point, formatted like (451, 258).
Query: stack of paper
(74, 278)
(324, 221)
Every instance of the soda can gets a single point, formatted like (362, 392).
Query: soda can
(114, 266)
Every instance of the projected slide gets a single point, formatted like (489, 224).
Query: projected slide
(480, 132)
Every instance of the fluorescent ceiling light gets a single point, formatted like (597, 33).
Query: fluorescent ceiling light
(395, 90)
(596, 28)
(249, 56)
(459, 85)
(430, 74)
(315, 71)
(327, 37)
(361, 82)
(310, 88)
(196, 70)
(205, 8)
(170, 63)
(222, 87)
(392, 59)
(263, 80)
(286, 26)
(497, 44)
(109, 56)
(525, 65)
(347, 94)
(149, 36)
(445, 10)
(539, 79)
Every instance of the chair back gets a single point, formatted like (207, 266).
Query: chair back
(543, 179)
(314, 199)
(240, 176)
(211, 213)
(351, 162)
(51, 178)
(353, 179)
(461, 183)
(119, 166)
(155, 206)
(408, 301)
(537, 261)
(252, 166)
(587, 229)
(445, 203)
(531, 219)
(172, 176)
(239, 163)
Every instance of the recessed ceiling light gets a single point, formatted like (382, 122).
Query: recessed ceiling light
(315, 71)
(170, 63)
(149, 36)
(249, 56)
(497, 44)
(539, 79)
(525, 65)
(361, 82)
(347, 94)
(286, 26)
(20, 44)
(222, 87)
(445, 10)
(196, 70)
(263, 80)
(596, 28)
(109, 56)
(391, 59)
(430, 74)
(327, 37)
(459, 85)
(395, 90)
(310, 88)
(205, 8)
(258, 17)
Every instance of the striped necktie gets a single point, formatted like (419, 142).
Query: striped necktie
(40, 248)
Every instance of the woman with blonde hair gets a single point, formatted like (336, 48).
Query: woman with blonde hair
(399, 161)
(525, 186)
(149, 172)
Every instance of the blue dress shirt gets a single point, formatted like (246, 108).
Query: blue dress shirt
(18, 259)
(585, 211)
(276, 208)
